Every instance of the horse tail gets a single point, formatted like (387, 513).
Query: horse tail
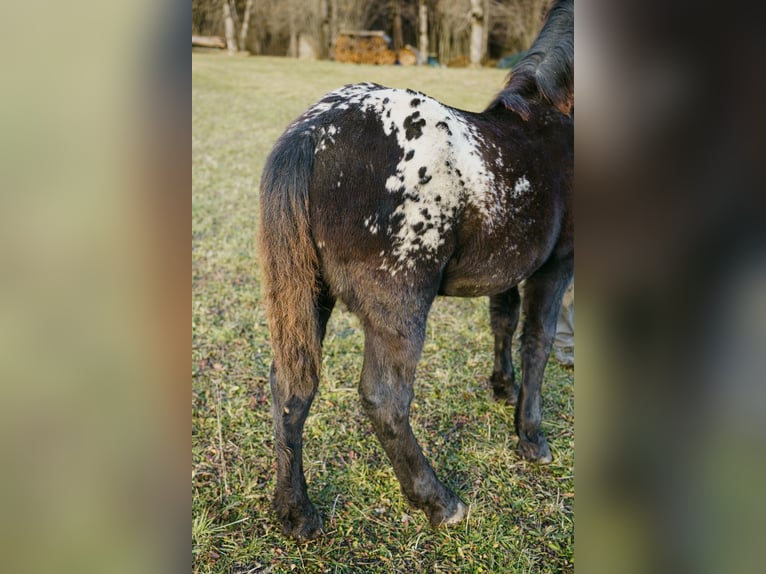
(289, 263)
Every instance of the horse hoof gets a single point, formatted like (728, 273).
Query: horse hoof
(504, 390)
(438, 518)
(503, 397)
(536, 452)
(303, 524)
(305, 529)
(458, 515)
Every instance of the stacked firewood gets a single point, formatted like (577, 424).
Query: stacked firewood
(408, 56)
(366, 47)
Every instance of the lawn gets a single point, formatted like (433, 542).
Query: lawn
(521, 514)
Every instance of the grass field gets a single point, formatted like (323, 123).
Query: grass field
(521, 515)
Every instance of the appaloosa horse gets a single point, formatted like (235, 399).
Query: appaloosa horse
(385, 198)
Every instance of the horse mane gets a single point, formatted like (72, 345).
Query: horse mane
(547, 69)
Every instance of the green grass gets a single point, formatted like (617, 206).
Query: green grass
(521, 517)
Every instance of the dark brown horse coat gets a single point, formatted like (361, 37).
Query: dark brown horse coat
(385, 198)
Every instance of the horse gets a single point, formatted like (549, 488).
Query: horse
(385, 198)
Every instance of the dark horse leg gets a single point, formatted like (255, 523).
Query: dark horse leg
(543, 292)
(503, 317)
(391, 351)
(292, 400)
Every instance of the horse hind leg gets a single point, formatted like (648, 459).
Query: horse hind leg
(504, 317)
(543, 292)
(293, 389)
(386, 389)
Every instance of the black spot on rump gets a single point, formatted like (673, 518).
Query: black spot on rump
(415, 102)
(397, 219)
(445, 127)
(424, 179)
(413, 127)
(410, 154)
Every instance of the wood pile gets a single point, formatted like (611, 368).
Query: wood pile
(364, 47)
(208, 42)
(408, 56)
(459, 62)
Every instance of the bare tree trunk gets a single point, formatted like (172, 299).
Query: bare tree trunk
(423, 37)
(486, 28)
(445, 53)
(333, 26)
(249, 5)
(229, 29)
(477, 32)
(433, 34)
(323, 30)
(397, 14)
(292, 50)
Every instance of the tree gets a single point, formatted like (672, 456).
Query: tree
(245, 25)
(423, 32)
(478, 44)
(516, 23)
(452, 29)
(228, 20)
(333, 26)
(292, 27)
(396, 10)
(486, 5)
(449, 28)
